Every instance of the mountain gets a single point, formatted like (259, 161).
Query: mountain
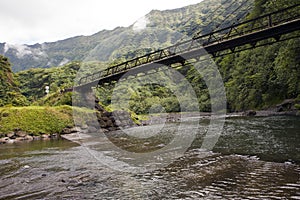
(254, 79)
(155, 30)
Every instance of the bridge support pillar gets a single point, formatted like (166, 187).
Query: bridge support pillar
(85, 97)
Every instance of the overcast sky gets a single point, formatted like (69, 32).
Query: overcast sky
(32, 21)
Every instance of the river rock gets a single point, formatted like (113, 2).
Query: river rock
(4, 140)
(66, 131)
(20, 139)
(28, 137)
(286, 105)
(75, 129)
(45, 136)
(10, 135)
(109, 123)
(112, 118)
(71, 130)
(102, 123)
(20, 134)
(36, 137)
(106, 119)
(107, 114)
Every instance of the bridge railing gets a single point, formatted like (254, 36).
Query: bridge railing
(236, 30)
(252, 25)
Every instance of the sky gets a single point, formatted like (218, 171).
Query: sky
(38, 21)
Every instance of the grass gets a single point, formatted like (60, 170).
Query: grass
(37, 120)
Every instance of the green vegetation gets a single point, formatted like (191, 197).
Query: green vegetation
(264, 76)
(9, 91)
(34, 81)
(164, 29)
(35, 120)
(253, 79)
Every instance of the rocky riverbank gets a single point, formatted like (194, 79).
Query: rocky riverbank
(20, 136)
(287, 107)
(106, 121)
(116, 120)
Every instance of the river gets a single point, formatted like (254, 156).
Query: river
(254, 158)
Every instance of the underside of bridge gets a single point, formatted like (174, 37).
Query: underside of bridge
(264, 30)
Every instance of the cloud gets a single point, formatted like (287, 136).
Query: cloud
(140, 24)
(23, 50)
(40, 21)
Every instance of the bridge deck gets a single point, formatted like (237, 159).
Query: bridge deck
(227, 38)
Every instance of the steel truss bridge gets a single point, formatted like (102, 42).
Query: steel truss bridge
(263, 30)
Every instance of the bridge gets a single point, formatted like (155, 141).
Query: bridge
(238, 37)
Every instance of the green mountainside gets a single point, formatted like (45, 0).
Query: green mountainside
(253, 79)
(163, 28)
(9, 91)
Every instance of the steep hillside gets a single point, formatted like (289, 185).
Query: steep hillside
(264, 76)
(34, 81)
(253, 79)
(155, 30)
(9, 92)
(259, 78)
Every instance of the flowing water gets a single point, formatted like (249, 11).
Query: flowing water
(255, 158)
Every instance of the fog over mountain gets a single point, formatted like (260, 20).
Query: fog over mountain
(155, 30)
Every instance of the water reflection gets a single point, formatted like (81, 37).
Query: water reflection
(270, 138)
(256, 158)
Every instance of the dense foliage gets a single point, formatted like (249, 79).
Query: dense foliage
(9, 91)
(34, 81)
(263, 76)
(35, 120)
(163, 29)
(253, 79)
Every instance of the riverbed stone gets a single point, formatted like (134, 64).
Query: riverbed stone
(10, 134)
(109, 123)
(20, 134)
(4, 140)
(10, 141)
(28, 137)
(36, 137)
(66, 131)
(20, 139)
(75, 129)
(107, 114)
(105, 119)
(102, 123)
(45, 136)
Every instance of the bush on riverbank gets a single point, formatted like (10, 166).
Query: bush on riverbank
(35, 120)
